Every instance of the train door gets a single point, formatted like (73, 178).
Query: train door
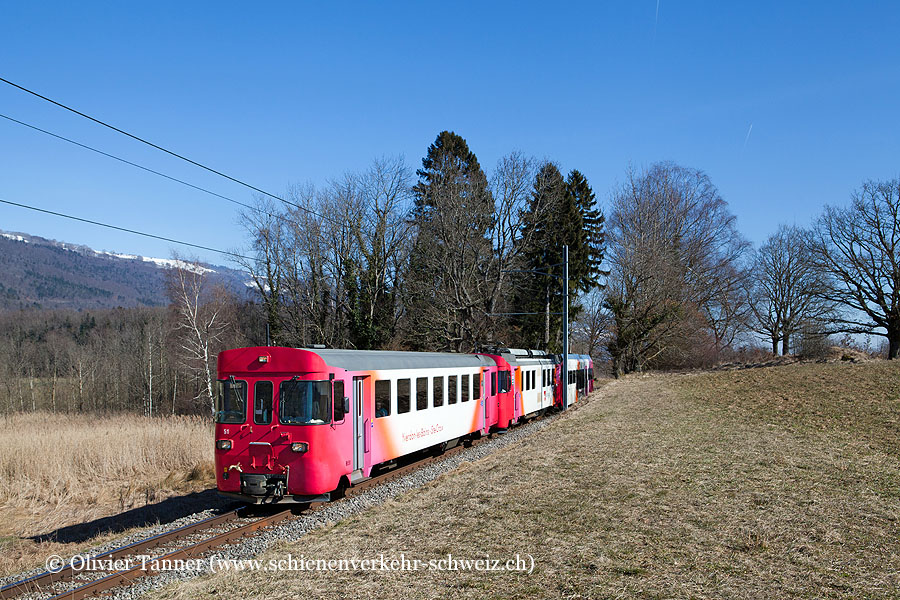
(359, 424)
(485, 392)
(518, 392)
(490, 398)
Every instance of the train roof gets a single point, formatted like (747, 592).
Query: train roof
(373, 360)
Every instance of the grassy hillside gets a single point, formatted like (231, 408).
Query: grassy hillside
(769, 483)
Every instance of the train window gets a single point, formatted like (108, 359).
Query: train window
(464, 387)
(437, 391)
(382, 398)
(231, 401)
(402, 396)
(439, 395)
(452, 395)
(504, 381)
(421, 393)
(304, 402)
(262, 402)
(338, 400)
(476, 386)
(494, 383)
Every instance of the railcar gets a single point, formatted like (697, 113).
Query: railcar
(581, 376)
(301, 425)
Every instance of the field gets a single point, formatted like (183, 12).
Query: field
(60, 471)
(759, 483)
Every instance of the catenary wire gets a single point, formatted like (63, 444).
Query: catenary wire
(143, 168)
(170, 152)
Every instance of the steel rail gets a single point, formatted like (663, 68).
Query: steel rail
(193, 551)
(41, 580)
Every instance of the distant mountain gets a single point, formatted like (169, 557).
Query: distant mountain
(41, 273)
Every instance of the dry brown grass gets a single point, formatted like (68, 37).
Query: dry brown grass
(58, 470)
(663, 486)
(861, 401)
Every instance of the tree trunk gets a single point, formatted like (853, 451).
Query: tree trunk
(775, 345)
(786, 344)
(893, 342)
(149, 375)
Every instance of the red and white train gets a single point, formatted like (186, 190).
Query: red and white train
(301, 425)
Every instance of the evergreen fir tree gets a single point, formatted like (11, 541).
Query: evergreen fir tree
(561, 212)
(593, 243)
(452, 213)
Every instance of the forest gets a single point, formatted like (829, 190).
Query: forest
(449, 257)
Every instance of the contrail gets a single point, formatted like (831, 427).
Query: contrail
(747, 139)
(656, 20)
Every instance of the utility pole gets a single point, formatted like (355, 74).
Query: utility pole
(565, 362)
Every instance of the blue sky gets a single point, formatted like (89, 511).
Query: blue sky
(282, 93)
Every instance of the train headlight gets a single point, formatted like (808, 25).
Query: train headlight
(223, 444)
(300, 447)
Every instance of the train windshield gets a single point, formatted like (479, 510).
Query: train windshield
(304, 402)
(231, 405)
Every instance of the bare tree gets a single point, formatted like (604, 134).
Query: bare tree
(860, 247)
(266, 224)
(591, 329)
(675, 258)
(327, 264)
(198, 317)
(511, 184)
(787, 287)
(376, 202)
(306, 288)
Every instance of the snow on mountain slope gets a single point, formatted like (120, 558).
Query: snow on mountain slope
(42, 273)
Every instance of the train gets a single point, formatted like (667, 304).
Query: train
(302, 425)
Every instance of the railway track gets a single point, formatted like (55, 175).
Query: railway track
(78, 578)
(102, 573)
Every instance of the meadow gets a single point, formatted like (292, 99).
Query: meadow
(59, 470)
(778, 482)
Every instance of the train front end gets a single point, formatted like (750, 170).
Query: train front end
(275, 413)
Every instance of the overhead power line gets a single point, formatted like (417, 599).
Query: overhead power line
(167, 151)
(125, 229)
(143, 168)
